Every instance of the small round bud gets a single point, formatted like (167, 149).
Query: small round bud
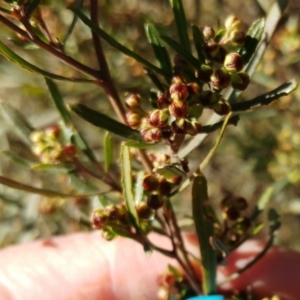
(133, 119)
(151, 134)
(237, 37)
(158, 118)
(232, 22)
(178, 109)
(69, 151)
(193, 128)
(220, 79)
(233, 62)
(52, 131)
(165, 187)
(178, 126)
(155, 201)
(210, 49)
(98, 218)
(179, 91)
(204, 73)
(240, 81)
(37, 136)
(241, 203)
(231, 213)
(133, 101)
(177, 78)
(150, 183)
(222, 107)
(144, 211)
(162, 101)
(208, 33)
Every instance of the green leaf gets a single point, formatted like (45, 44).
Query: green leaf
(127, 185)
(32, 6)
(49, 193)
(159, 49)
(13, 57)
(103, 121)
(187, 56)
(274, 220)
(78, 5)
(76, 137)
(139, 145)
(52, 168)
(171, 170)
(18, 159)
(262, 202)
(265, 99)
(59, 102)
(180, 20)
(253, 37)
(205, 230)
(138, 188)
(155, 80)
(198, 41)
(114, 43)
(18, 120)
(108, 151)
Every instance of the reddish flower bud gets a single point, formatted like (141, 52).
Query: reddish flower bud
(222, 107)
(151, 134)
(233, 62)
(52, 131)
(193, 127)
(69, 151)
(158, 118)
(165, 187)
(177, 78)
(241, 203)
(133, 118)
(233, 22)
(237, 37)
(144, 211)
(210, 49)
(178, 109)
(133, 101)
(178, 126)
(179, 91)
(150, 183)
(204, 73)
(208, 33)
(162, 101)
(240, 81)
(155, 201)
(231, 213)
(220, 79)
(98, 218)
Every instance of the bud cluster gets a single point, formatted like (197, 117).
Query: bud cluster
(116, 217)
(46, 145)
(236, 223)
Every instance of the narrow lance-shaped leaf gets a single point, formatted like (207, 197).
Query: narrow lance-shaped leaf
(199, 41)
(32, 6)
(103, 121)
(49, 193)
(78, 5)
(253, 37)
(18, 120)
(127, 185)
(205, 231)
(108, 151)
(187, 56)
(13, 57)
(159, 49)
(265, 99)
(139, 190)
(114, 43)
(180, 20)
(18, 159)
(76, 137)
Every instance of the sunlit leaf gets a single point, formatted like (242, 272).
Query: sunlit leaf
(13, 57)
(253, 37)
(103, 121)
(127, 184)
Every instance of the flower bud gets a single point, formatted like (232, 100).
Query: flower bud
(232, 22)
(158, 118)
(150, 183)
(233, 62)
(165, 187)
(178, 126)
(208, 33)
(193, 127)
(166, 132)
(237, 37)
(204, 73)
(98, 218)
(240, 81)
(133, 101)
(178, 109)
(52, 132)
(133, 118)
(231, 213)
(69, 151)
(144, 211)
(179, 91)
(220, 79)
(162, 101)
(241, 203)
(151, 134)
(210, 49)
(194, 91)
(222, 107)
(155, 201)
(37, 136)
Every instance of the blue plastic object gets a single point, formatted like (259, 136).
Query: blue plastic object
(210, 297)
